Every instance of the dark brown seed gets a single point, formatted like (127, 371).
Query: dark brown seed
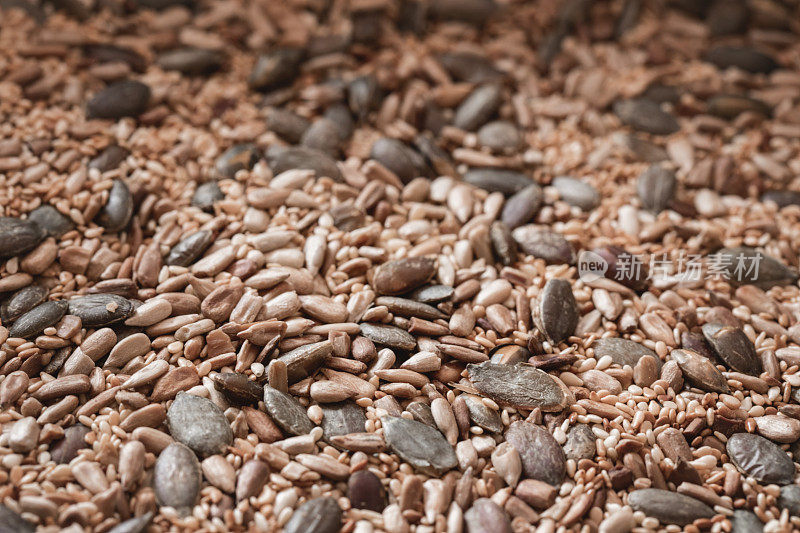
(120, 99)
(110, 53)
(323, 135)
(487, 418)
(623, 267)
(656, 187)
(118, 210)
(782, 198)
(507, 182)
(760, 458)
(542, 457)
(628, 18)
(730, 106)
(576, 192)
(18, 236)
(696, 343)
(191, 61)
(499, 135)
(399, 158)
(37, 319)
(206, 195)
(177, 478)
(363, 95)
(472, 11)
(669, 507)
(470, 68)
(342, 418)
(287, 412)
(238, 388)
(558, 311)
(287, 124)
(21, 302)
(252, 478)
(100, 309)
(503, 243)
(236, 158)
(700, 371)
(485, 516)
(51, 220)
(66, 449)
(365, 491)
(390, 336)
(367, 25)
(581, 443)
(347, 217)
(189, 249)
(509, 354)
(409, 308)
(422, 413)
(320, 515)
(304, 361)
(419, 445)
(646, 115)
(433, 294)
(743, 265)
(745, 521)
(199, 424)
(11, 522)
(789, 499)
(733, 347)
(275, 69)
(133, 525)
(725, 17)
(403, 275)
(300, 157)
(519, 386)
(622, 351)
(644, 150)
(544, 244)
(744, 58)
(110, 158)
(521, 207)
(478, 107)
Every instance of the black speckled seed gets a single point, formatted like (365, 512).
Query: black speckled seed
(287, 412)
(126, 98)
(236, 158)
(11, 522)
(760, 458)
(301, 157)
(419, 445)
(342, 418)
(21, 302)
(37, 319)
(275, 69)
(199, 424)
(110, 158)
(365, 491)
(669, 507)
(65, 450)
(118, 210)
(177, 478)
(191, 61)
(390, 336)
(320, 515)
(100, 309)
(18, 236)
(189, 249)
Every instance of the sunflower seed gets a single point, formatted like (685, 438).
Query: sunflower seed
(51, 220)
(521, 207)
(100, 309)
(320, 515)
(576, 192)
(191, 61)
(19, 236)
(341, 419)
(206, 195)
(37, 319)
(118, 210)
(558, 311)
(276, 69)
(21, 302)
(647, 116)
(507, 182)
(732, 346)
(478, 107)
(189, 249)
(287, 412)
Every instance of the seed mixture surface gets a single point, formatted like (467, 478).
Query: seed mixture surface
(399, 265)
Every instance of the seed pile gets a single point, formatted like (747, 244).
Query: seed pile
(399, 266)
